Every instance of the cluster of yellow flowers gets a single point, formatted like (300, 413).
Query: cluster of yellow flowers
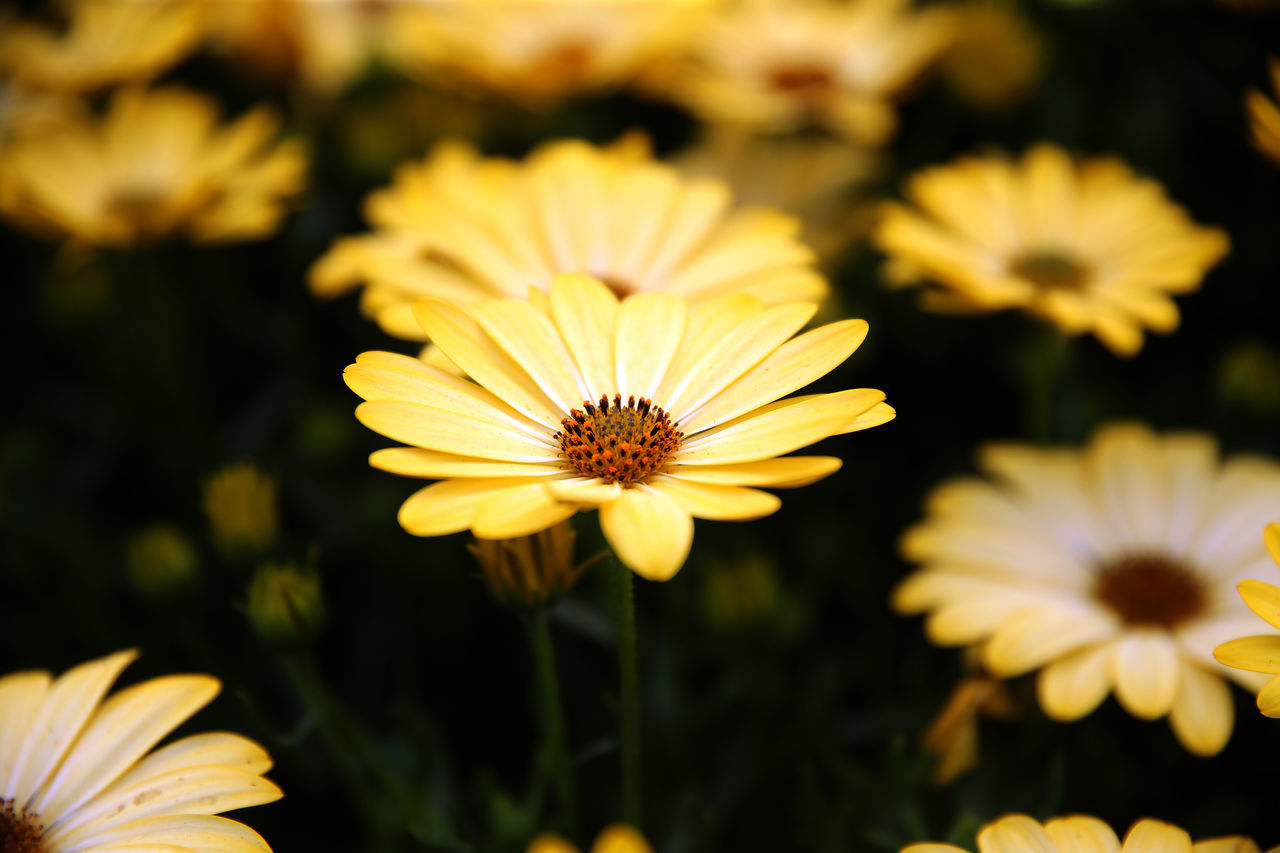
(604, 330)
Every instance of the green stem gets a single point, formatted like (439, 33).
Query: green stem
(628, 698)
(552, 711)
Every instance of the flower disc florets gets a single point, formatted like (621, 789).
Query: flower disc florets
(19, 832)
(618, 443)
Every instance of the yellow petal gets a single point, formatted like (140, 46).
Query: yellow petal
(1146, 667)
(1203, 714)
(448, 506)
(532, 341)
(548, 843)
(1263, 599)
(650, 328)
(1073, 686)
(1153, 836)
(1033, 637)
(1230, 844)
(22, 695)
(717, 503)
(1256, 654)
(648, 531)
(183, 832)
(452, 432)
(582, 490)
(1272, 537)
(1014, 834)
(433, 465)
(777, 428)
(1082, 834)
(783, 472)
(198, 750)
(620, 838)
(932, 848)
(1269, 698)
(880, 413)
(585, 313)
(519, 511)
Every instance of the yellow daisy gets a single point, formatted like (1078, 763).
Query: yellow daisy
(1264, 116)
(459, 227)
(157, 165)
(780, 65)
(540, 51)
(649, 410)
(104, 42)
(997, 57)
(618, 838)
(1260, 653)
(77, 771)
(1086, 245)
(1017, 833)
(1111, 567)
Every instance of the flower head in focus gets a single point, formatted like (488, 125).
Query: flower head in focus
(1260, 653)
(1264, 116)
(157, 165)
(459, 227)
(78, 772)
(1109, 568)
(619, 838)
(648, 409)
(1086, 245)
(105, 42)
(782, 65)
(1016, 833)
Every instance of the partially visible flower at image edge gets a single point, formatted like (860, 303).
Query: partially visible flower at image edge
(647, 409)
(1264, 115)
(1017, 833)
(1086, 245)
(78, 772)
(618, 838)
(1260, 653)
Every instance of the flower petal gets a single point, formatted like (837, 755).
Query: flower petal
(649, 531)
(1082, 834)
(453, 432)
(586, 313)
(650, 328)
(205, 833)
(519, 511)
(22, 695)
(1014, 833)
(783, 472)
(533, 342)
(1256, 654)
(433, 465)
(1203, 713)
(1033, 637)
(1269, 698)
(880, 413)
(584, 490)
(1263, 599)
(1152, 835)
(1146, 667)
(450, 505)
(1073, 686)
(717, 503)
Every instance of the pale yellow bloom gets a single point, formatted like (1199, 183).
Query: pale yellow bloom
(541, 51)
(1086, 245)
(1109, 568)
(240, 503)
(78, 772)
(1018, 833)
(996, 59)
(780, 65)
(618, 838)
(459, 227)
(1264, 116)
(156, 166)
(1260, 653)
(647, 409)
(105, 42)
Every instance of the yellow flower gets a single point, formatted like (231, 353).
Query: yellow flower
(240, 503)
(1018, 833)
(157, 165)
(780, 65)
(104, 42)
(1260, 653)
(540, 51)
(161, 560)
(530, 572)
(1087, 246)
(459, 227)
(649, 410)
(618, 838)
(997, 58)
(285, 603)
(1111, 567)
(1264, 116)
(77, 771)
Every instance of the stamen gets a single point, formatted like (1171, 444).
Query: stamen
(19, 833)
(618, 443)
(1150, 589)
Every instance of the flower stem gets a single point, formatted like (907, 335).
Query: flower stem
(552, 711)
(628, 697)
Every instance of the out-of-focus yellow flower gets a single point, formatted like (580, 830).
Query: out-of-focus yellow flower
(1017, 833)
(618, 838)
(780, 65)
(574, 401)
(157, 165)
(104, 42)
(459, 227)
(996, 59)
(26, 114)
(161, 560)
(1086, 245)
(285, 603)
(1264, 115)
(80, 772)
(322, 47)
(1114, 567)
(1260, 653)
(240, 503)
(530, 572)
(818, 179)
(541, 51)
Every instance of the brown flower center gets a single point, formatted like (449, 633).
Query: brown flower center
(1050, 270)
(19, 833)
(618, 443)
(801, 79)
(1149, 589)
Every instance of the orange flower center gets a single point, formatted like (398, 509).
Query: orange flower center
(618, 443)
(801, 79)
(1149, 589)
(19, 833)
(1050, 270)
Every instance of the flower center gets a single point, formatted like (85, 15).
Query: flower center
(801, 79)
(1149, 589)
(1050, 270)
(19, 833)
(618, 443)
(617, 285)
